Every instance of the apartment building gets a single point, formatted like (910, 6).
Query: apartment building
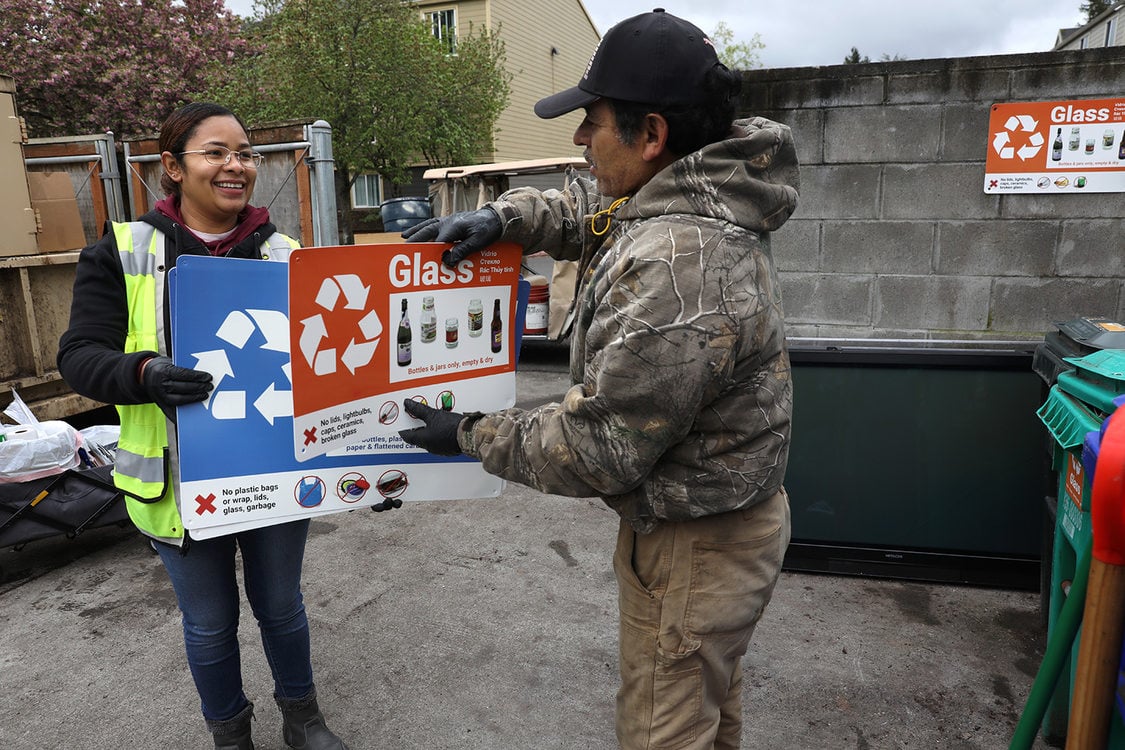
(1104, 30)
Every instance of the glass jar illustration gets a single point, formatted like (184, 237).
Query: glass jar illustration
(476, 317)
(429, 320)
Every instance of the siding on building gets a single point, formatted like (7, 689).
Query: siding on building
(1093, 34)
(530, 30)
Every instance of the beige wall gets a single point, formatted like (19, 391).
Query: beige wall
(530, 29)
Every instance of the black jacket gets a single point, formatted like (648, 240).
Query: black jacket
(91, 356)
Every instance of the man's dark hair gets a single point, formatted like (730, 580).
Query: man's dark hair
(690, 127)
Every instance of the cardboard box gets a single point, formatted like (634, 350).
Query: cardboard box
(378, 238)
(16, 214)
(60, 224)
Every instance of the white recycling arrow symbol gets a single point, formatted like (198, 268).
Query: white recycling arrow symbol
(359, 351)
(1001, 141)
(236, 330)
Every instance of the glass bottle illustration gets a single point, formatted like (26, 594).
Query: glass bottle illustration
(1056, 147)
(428, 323)
(404, 337)
(1075, 141)
(497, 327)
(476, 317)
(1121, 150)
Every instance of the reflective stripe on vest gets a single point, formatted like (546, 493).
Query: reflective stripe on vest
(140, 468)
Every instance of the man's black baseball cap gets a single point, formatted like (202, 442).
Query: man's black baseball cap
(654, 58)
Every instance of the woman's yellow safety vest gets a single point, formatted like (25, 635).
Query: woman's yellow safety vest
(144, 468)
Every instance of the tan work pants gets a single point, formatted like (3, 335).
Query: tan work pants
(690, 594)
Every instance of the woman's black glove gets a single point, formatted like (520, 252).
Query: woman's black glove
(438, 435)
(471, 230)
(170, 385)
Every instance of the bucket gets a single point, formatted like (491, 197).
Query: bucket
(538, 303)
(399, 214)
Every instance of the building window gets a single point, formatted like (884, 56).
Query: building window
(367, 191)
(1109, 32)
(443, 24)
(1084, 43)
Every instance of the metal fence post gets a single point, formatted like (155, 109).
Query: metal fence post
(111, 177)
(325, 226)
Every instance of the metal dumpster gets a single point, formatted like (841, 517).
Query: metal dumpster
(918, 460)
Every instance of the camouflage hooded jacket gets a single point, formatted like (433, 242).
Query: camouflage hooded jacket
(682, 398)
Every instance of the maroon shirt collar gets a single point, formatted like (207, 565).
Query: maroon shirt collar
(250, 219)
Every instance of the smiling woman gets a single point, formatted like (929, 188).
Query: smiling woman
(212, 187)
(118, 350)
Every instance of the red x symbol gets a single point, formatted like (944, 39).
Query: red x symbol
(310, 435)
(993, 183)
(206, 504)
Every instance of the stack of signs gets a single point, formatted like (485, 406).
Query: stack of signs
(311, 361)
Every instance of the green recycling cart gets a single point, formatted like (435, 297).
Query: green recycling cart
(1076, 405)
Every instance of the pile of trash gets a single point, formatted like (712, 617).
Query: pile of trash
(55, 480)
(31, 449)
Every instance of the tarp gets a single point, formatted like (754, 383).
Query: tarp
(65, 504)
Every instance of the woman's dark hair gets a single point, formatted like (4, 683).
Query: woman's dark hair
(178, 129)
(691, 127)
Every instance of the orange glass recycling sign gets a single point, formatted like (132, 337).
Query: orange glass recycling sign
(1063, 147)
(371, 325)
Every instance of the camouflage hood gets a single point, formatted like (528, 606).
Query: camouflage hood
(750, 179)
(682, 397)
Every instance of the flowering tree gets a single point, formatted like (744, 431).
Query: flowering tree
(88, 66)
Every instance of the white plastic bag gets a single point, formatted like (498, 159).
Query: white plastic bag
(18, 411)
(33, 451)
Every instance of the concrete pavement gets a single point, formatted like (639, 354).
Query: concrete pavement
(491, 625)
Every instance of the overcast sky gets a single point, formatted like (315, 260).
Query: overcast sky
(822, 32)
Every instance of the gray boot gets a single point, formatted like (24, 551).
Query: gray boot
(303, 727)
(233, 733)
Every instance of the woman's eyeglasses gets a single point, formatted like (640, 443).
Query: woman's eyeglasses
(219, 156)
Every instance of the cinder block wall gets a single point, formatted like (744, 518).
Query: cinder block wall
(894, 237)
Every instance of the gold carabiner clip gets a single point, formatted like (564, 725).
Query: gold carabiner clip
(607, 215)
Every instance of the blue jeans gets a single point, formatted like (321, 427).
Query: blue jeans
(205, 585)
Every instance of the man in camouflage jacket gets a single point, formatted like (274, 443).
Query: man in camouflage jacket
(680, 413)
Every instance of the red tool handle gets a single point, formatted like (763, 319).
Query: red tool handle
(1107, 503)
(1103, 622)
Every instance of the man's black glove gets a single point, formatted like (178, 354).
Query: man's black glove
(438, 435)
(170, 385)
(471, 230)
